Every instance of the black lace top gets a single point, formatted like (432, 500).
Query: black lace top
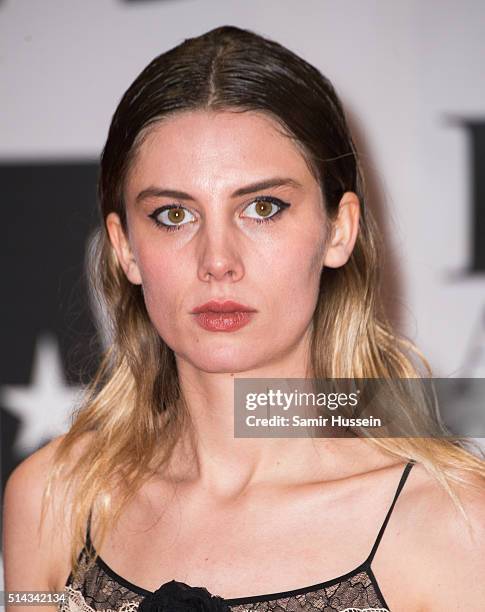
(99, 588)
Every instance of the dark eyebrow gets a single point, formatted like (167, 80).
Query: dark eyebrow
(181, 195)
(267, 184)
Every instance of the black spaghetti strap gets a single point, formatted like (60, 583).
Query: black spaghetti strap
(404, 476)
(88, 531)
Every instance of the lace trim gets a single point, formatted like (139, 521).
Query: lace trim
(96, 590)
(75, 602)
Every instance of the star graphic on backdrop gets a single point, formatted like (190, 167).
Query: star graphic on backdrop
(43, 407)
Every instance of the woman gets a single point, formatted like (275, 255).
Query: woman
(229, 174)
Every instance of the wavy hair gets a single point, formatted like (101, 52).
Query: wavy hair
(134, 401)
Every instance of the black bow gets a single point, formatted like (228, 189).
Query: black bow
(176, 596)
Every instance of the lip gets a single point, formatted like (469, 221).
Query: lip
(223, 321)
(222, 306)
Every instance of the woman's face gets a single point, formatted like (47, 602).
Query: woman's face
(218, 244)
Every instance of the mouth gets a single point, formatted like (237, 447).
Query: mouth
(223, 316)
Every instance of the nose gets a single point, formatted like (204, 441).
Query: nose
(219, 258)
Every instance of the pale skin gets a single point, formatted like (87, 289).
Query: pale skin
(278, 514)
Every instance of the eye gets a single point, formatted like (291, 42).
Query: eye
(171, 217)
(264, 208)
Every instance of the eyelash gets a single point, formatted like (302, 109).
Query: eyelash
(170, 228)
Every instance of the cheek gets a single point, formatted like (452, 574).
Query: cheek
(295, 278)
(163, 289)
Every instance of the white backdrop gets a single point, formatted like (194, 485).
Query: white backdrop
(401, 68)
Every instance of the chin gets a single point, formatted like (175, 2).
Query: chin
(226, 360)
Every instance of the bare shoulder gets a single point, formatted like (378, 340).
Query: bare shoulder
(449, 548)
(32, 551)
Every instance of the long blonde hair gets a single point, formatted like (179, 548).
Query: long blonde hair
(134, 401)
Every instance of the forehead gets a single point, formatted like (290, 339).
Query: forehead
(216, 150)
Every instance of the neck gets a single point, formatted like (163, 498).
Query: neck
(211, 456)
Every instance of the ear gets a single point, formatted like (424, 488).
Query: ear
(122, 247)
(345, 228)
